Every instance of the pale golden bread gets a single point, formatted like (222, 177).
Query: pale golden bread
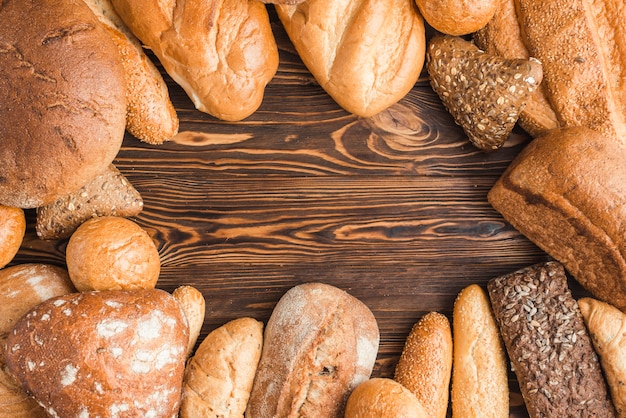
(12, 230)
(383, 398)
(456, 18)
(194, 305)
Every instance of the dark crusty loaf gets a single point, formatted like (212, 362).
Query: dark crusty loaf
(62, 90)
(548, 345)
(319, 344)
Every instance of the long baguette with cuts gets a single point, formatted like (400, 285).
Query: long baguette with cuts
(319, 344)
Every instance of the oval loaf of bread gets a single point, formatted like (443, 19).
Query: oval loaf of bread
(319, 344)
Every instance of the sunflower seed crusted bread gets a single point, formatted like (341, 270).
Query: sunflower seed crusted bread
(548, 345)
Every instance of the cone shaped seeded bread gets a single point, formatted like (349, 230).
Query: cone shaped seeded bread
(102, 353)
(549, 348)
(63, 116)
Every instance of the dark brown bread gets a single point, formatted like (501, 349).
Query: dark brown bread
(319, 344)
(64, 107)
(565, 192)
(548, 345)
(106, 354)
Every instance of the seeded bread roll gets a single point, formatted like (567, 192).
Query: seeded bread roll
(112, 253)
(607, 328)
(383, 398)
(425, 364)
(107, 353)
(21, 288)
(319, 344)
(364, 57)
(565, 192)
(151, 115)
(218, 378)
(63, 116)
(12, 230)
(456, 18)
(222, 53)
(108, 194)
(548, 345)
(480, 385)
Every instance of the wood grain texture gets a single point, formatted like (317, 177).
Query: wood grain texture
(392, 209)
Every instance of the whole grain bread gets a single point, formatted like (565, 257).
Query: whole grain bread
(548, 345)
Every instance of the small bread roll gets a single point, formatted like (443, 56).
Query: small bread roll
(480, 379)
(112, 253)
(383, 398)
(607, 327)
(193, 304)
(454, 17)
(426, 363)
(218, 378)
(12, 230)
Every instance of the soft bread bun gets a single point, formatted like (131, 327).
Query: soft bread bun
(222, 53)
(480, 377)
(383, 398)
(108, 353)
(319, 344)
(566, 193)
(64, 107)
(218, 378)
(21, 288)
(425, 364)
(457, 17)
(364, 56)
(12, 230)
(112, 253)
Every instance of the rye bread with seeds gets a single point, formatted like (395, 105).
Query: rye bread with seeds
(484, 93)
(551, 353)
(109, 194)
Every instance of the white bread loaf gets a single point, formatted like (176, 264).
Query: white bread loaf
(319, 344)
(222, 53)
(363, 56)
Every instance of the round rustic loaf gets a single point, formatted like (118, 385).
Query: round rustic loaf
(12, 230)
(454, 17)
(108, 353)
(112, 253)
(62, 90)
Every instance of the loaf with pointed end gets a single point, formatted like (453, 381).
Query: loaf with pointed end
(558, 371)
(102, 353)
(566, 193)
(607, 326)
(222, 53)
(12, 230)
(484, 93)
(425, 364)
(193, 304)
(151, 116)
(22, 287)
(219, 376)
(108, 194)
(363, 56)
(502, 36)
(480, 381)
(319, 344)
(382, 398)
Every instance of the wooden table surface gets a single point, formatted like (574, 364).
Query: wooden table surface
(392, 209)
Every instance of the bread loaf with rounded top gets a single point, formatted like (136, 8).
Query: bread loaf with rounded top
(383, 398)
(12, 230)
(319, 344)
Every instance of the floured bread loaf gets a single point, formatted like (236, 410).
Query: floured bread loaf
(222, 53)
(319, 344)
(365, 57)
(104, 354)
(64, 107)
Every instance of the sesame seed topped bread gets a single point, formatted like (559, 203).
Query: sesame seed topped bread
(548, 345)
(63, 116)
(106, 354)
